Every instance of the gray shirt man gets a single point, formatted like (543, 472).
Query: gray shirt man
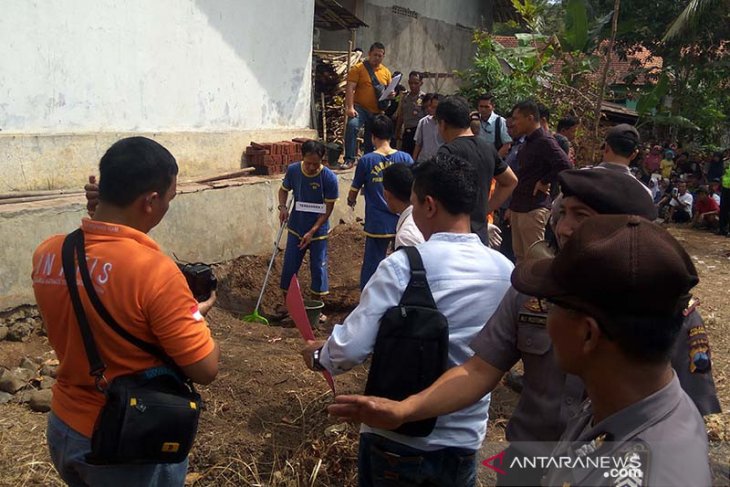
(661, 439)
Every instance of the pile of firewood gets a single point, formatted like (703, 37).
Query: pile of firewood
(330, 78)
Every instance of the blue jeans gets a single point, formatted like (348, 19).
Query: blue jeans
(385, 463)
(365, 118)
(69, 449)
(375, 250)
(293, 257)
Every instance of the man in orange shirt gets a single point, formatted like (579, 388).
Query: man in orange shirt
(361, 102)
(142, 289)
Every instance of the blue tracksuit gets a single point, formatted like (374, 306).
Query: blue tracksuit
(380, 222)
(320, 188)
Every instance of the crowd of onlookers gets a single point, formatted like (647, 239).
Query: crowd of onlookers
(687, 187)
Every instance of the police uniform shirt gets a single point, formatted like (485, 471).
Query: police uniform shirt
(663, 434)
(692, 361)
(379, 220)
(411, 108)
(319, 188)
(517, 330)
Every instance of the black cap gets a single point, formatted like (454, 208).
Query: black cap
(608, 192)
(614, 264)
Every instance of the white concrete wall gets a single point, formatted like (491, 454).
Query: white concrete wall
(464, 12)
(86, 67)
(431, 42)
(202, 225)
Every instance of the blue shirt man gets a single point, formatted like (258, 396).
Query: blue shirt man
(460, 271)
(315, 191)
(493, 128)
(380, 222)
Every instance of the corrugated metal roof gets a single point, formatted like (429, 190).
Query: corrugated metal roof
(330, 15)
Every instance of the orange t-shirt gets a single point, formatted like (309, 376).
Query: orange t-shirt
(364, 91)
(490, 215)
(142, 289)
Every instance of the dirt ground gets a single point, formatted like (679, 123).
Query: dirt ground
(265, 422)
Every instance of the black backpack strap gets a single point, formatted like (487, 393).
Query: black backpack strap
(375, 81)
(106, 316)
(96, 364)
(498, 133)
(417, 293)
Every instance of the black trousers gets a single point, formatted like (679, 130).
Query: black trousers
(409, 140)
(724, 210)
(518, 476)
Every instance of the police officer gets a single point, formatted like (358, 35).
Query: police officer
(617, 290)
(517, 331)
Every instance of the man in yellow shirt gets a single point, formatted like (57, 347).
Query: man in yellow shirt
(361, 102)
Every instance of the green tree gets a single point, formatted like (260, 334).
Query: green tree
(690, 37)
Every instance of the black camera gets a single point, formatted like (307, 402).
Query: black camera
(201, 279)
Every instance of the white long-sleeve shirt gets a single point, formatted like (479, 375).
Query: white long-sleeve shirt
(406, 232)
(467, 281)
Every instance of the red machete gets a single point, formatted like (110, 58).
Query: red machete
(295, 306)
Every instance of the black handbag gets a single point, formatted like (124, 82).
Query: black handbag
(150, 416)
(377, 86)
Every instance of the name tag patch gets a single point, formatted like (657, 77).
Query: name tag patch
(532, 318)
(303, 206)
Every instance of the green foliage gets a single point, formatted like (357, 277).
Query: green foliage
(532, 12)
(689, 18)
(509, 79)
(576, 25)
(649, 102)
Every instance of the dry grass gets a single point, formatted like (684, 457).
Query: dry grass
(303, 450)
(23, 459)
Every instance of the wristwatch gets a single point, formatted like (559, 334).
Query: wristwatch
(281, 207)
(315, 360)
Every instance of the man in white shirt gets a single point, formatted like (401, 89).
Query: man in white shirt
(427, 136)
(493, 128)
(460, 271)
(680, 210)
(397, 183)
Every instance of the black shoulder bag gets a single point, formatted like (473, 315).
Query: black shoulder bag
(377, 86)
(412, 346)
(150, 416)
(498, 133)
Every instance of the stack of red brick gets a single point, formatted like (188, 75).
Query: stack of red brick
(273, 157)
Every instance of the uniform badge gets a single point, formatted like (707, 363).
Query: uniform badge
(700, 355)
(635, 458)
(533, 311)
(534, 305)
(691, 306)
(593, 445)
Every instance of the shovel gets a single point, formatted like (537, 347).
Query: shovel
(297, 312)
(255, 317)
